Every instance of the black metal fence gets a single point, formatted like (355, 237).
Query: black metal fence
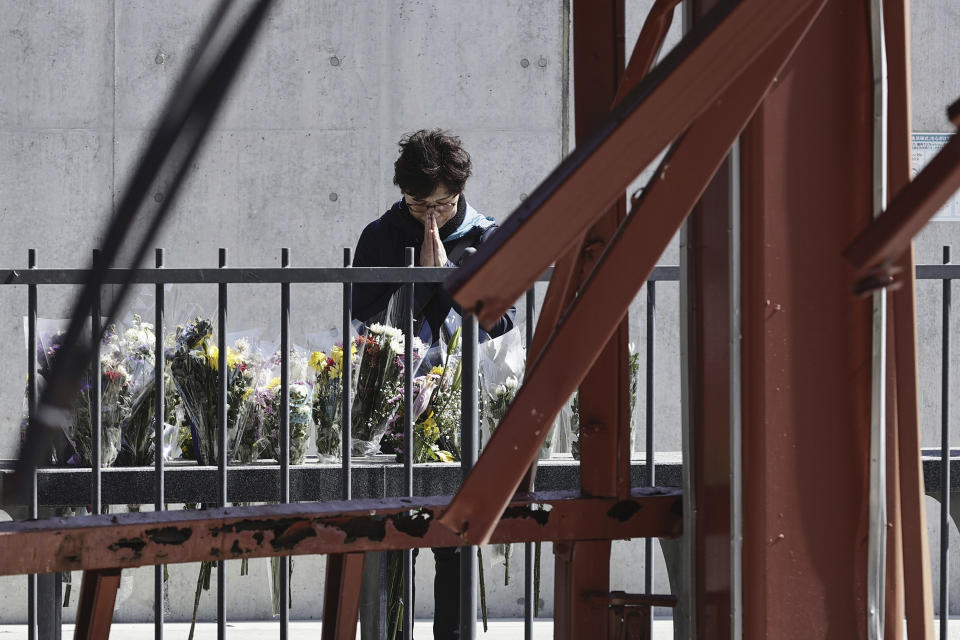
(162, 484)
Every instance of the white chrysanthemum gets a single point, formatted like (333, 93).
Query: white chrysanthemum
(386, 330)
(418, 346)
(500, 390)
(242, 347)
(512, 383)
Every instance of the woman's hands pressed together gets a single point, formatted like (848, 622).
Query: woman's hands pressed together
(432, 252)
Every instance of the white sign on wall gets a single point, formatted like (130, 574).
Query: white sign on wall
(923, 147)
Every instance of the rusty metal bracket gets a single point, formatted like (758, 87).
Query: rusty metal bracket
(629, 613)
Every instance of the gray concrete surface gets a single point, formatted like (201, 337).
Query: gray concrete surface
(302, 158)
(497, 630)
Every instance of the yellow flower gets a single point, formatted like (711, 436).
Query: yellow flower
(233, 358)
(274, 383)
(318, 361)
(430, 428)
(213, 356)
(437, 370)
(337, 354)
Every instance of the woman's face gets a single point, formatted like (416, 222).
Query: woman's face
(441, 203)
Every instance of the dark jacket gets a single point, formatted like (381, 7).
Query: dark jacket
(383, 243)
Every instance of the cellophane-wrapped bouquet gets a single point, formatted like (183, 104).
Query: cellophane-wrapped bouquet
(380, 370)
(114, 403)
(376, 357)
(194, 363)
(138, 343)
(435, 409)
(300, 395)
(328, 398)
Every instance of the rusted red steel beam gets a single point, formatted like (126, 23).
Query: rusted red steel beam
(888, 236)
(98, 593)
(807, 341)
(917, 580)
(168, 537)
(914, 567)
(571, 268)
(590, 180)
(649, 43)
(606, 297)
(598, 53)
(707, 308)
(559, 292)
(341, 596)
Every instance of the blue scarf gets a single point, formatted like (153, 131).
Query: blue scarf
(470, 220)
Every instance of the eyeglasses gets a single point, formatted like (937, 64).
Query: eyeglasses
(440, 207)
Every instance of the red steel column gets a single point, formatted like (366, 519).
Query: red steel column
(708, 268)
(806, 192)
(598, 62)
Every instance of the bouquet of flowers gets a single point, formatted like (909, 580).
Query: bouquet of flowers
(435, 410)
(194, 363)
(426, 431)
(376, 357)
(300, 410)
(248, 371)
(379, 370)
(137, 344)
(328, 398)
(114, 400)
(501, 369)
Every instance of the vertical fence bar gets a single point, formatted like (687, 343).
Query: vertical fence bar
(96, 417)
(945, 455)
(468, 457)
(31, 412)
(284, 436)
(159, 366)
(528, 595)
(649, 446)
(222, 440)
(408, 446)
(346, 372)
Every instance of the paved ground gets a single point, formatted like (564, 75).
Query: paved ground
(498, 630)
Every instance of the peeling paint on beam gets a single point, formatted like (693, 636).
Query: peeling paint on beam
(136, 539)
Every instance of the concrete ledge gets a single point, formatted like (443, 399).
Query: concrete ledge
(372, 478)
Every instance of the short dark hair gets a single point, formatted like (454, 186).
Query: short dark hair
(429, 158)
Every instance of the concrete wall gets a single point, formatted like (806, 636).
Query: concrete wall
(302, 158)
